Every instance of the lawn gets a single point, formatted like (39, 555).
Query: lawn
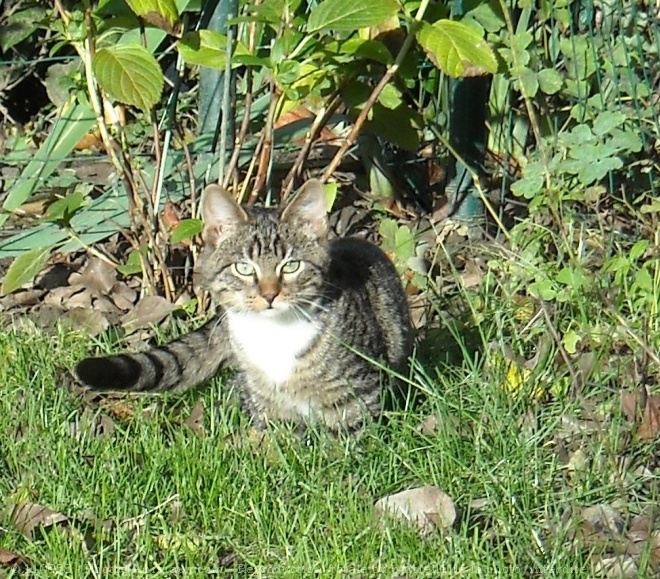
(173, 486)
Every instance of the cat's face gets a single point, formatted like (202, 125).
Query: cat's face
(264, 260)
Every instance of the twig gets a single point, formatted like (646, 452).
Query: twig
(265, 158)
(233, 161)
(560, 346)
(389, 73)
(250, 170)
(320, 121)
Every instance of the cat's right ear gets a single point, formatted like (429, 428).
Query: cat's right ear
(220, 214)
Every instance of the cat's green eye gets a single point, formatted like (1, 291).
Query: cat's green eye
(291, 266)
(244, 268)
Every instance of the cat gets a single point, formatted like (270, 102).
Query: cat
(307, 322)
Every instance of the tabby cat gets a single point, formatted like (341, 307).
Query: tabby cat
(304, 320)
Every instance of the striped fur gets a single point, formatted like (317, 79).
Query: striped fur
(304, 321)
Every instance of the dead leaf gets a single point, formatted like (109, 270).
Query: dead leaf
(644, 410)
(93, 321)
(435, 423)
(149, 310)
(9, 559)
(616, 568)
(196, 419)
(123, 296)
(28, 516)
(300, 115)
(92, 423)
(427, 507)
(170, 215)
(603, 518)
(98, 276)
(57, 296)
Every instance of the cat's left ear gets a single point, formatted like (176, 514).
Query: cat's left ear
(309, 207)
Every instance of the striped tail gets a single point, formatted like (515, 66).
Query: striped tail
(186, 362)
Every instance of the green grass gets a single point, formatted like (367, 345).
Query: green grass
(154, 497)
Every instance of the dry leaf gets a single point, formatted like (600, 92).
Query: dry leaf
(648, 418)
(435, 423)
(98, 276)
(170, 215)
(28, 516)
(196, 419)
(616, 568)
(149, 310)
(299, 115)
(9, 559)
(93, 321)
(123, 296)
(427, 507)
(603, 518)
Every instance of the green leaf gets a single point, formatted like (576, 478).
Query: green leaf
(550, 81)
(528, 187)
(129, 74)
(453, 46)
(330, 190)
(186, 229)
(643, 280)
(19, 26)
(543, 289)
(368, 49)
(598, 169)
(528, 81)
(638, 249)
(205, 48)
(627, 141)
(287, 72)
(350, 15)
(69, 127)
(608, 120)
(24, 268)
(161, 13)
(133, 264)
(400, 125)
(390, 97)
(63, 210)
(387, 230)
(405, 243)
(274, 11)
(489, 15)
(570, 341)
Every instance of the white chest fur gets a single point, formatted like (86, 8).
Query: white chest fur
(272, 344)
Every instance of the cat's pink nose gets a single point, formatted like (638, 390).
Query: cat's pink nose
(270, 295)
(269, 290)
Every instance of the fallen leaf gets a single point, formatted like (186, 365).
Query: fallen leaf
(427, 507)
(196, 419)
(123, 296)
(98, 276)
(93, 321)
(149, 310)
(9, 559)
(644, 410)
(604, 519)
(28, 516)
(616, 568)
(435, 423)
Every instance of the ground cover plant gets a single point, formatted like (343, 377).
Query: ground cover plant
(533, 448)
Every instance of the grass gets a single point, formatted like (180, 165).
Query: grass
(155, 498)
